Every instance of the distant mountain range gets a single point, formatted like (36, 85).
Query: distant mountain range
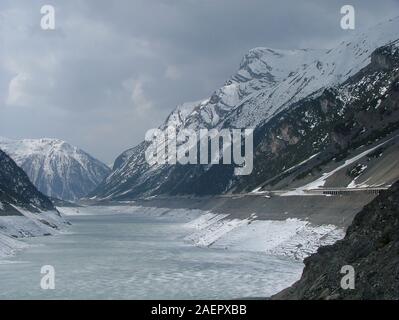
(312, 110)
(56, 168)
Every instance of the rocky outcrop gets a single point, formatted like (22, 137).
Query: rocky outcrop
(371, 247)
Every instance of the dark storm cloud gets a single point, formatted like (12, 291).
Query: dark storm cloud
(111, 70)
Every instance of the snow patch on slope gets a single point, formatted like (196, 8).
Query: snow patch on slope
(29, 224)
(320, 182)
(212, 228)
(292, 237)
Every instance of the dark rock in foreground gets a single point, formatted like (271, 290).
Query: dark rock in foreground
(371, 247)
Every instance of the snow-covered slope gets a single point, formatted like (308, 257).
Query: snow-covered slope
(24, 211)
(55, 167)
(268, 83)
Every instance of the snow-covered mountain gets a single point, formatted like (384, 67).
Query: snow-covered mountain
(55, 167)
(269, 80)
(24, 211)
(268, 84)
(345, 137)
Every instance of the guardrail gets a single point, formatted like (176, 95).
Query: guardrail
(345, 191)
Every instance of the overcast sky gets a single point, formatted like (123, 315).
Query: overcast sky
(113, 69)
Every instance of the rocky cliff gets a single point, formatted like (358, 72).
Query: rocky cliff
(371, 247)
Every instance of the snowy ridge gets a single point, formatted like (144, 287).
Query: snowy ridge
(268, 79)
(261, 70)
(320, 69)
(55, 167)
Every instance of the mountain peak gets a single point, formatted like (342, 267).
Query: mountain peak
(273, 64)
(55, 167)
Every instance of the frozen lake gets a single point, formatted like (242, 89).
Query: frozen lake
(130, 256)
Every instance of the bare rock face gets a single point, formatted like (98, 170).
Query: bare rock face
(371, 247)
